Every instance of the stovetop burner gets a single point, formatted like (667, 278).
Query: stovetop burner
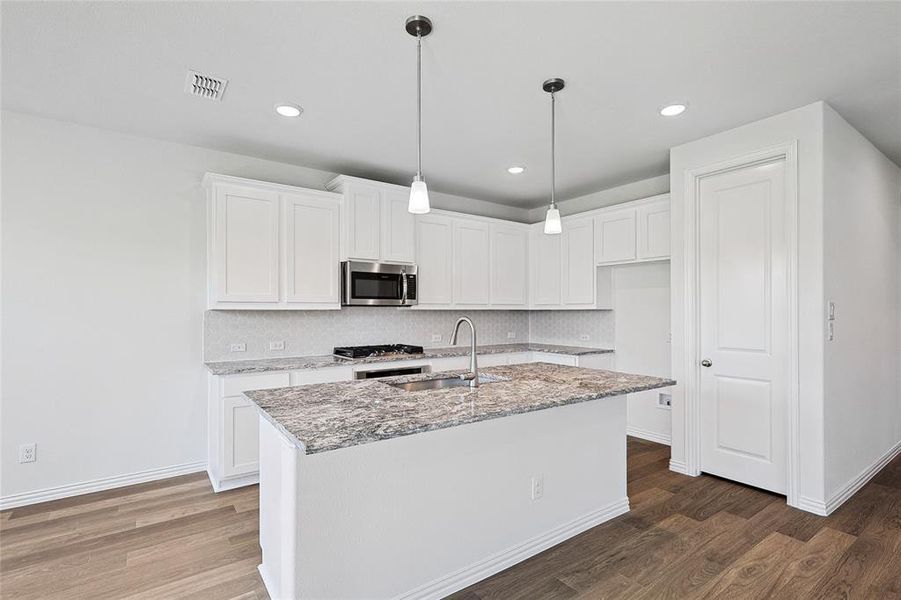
(376, 350)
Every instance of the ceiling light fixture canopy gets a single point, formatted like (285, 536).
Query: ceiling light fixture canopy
(418, 26)
(552, 225)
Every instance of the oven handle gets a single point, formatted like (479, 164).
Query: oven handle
(403, 277)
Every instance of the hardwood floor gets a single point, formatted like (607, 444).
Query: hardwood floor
(684, 538)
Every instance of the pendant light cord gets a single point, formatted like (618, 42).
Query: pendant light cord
(419, 107)
(553, 152)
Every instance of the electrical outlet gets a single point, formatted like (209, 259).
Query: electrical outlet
(276, 345)
(584, 337)
(511, 335)
(436, 337)
(238, 348)
(537, 487)
(664, 400)
(28, 453)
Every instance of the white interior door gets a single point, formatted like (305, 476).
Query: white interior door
(744, 320)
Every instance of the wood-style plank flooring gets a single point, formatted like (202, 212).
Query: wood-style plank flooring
(684, 538)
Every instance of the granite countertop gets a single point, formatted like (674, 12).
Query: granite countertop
(330, 416)
(262, 365)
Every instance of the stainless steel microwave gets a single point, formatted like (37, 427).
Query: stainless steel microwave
(377, 284)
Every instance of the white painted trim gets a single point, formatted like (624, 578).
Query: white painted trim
(690, 377)
(453, 582)
(98, 485)
(849, 489)
(651, 436)
(812, 506)
(678, 466)
(230, 483)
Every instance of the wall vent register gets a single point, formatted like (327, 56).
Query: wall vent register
(205, 86)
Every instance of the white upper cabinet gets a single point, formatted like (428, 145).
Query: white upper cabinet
(398, 227)
(311, 224)
(578, 262)
(376, 223)
(435, 248)
(654, 230)
(544, 267)
(244, 244)
(615, 231)
(472, 273)
(633, 232)
(271, 246)
(509, 265)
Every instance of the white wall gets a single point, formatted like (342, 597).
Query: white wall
(862, 245)
(804, 125)
(641, 309)
(102, 274)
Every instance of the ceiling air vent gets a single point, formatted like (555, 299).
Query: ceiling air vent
(205, 86)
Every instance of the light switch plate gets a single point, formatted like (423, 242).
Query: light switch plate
(277, 345)
(238, 348)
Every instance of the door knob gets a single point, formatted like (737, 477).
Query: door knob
(706, 363)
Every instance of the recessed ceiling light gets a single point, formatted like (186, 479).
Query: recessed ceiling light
(516, 170)
(671, 110)
(288, 110)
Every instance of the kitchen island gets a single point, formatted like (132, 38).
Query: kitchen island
(371, 491)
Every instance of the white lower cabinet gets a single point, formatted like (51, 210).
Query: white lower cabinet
(234, 428)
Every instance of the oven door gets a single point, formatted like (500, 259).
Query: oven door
(377, 284)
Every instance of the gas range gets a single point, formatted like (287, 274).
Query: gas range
(376, 350)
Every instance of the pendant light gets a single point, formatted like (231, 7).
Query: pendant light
(552, 219)
(419, 194)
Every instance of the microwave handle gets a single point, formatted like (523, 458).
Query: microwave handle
(403, 278)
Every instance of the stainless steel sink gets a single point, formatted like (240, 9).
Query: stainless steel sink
(437, 384)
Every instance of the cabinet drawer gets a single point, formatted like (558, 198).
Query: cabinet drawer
(234, 385)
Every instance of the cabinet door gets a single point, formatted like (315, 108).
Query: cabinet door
(241, 441)
(509, 266)
(311, 249)
(434, 251)
(245, 247)
(472, 273)
(544, 267)
(398, 228)
(615, 233)
(654, 231)
(578, 262)
(363, 205)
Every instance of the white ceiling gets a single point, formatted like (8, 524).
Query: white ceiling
(121, 66)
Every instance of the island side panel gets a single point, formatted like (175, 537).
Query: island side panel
(278, 511)
(424, 515)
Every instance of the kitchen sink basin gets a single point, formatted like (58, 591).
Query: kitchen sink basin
(437, 384)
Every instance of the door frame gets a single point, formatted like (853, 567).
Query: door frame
(691, 317)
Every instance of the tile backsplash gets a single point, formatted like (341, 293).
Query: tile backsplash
(592, 328)
(317, 332)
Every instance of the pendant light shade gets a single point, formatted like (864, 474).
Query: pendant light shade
(418, 26)
(419, 198)
(552, 224)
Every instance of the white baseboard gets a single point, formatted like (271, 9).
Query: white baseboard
(97, 485)
(221, 485)
(651, 436)
(456, 581)
(678, 466)
(810, 505)
(850, 488)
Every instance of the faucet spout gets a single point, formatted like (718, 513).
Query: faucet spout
(473, 375)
